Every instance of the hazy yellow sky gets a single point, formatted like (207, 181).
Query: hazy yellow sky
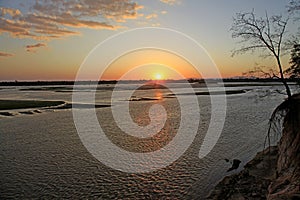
(49, 40)
(149, 64)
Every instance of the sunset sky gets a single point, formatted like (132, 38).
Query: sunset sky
(49, 39)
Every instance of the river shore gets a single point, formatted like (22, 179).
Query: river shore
(253, 181)
(274, 173)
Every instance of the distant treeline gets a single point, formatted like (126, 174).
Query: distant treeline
(43, 83)
(260, 80)
(228, 80)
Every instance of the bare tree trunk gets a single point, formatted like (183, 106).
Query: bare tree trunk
(287, 88)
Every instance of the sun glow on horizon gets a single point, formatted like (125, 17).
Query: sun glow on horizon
(158, 77)
(150, 64)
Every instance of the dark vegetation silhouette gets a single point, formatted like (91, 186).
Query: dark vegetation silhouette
(269, 34)
(294, 70)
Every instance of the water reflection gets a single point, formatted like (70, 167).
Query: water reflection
(158, 94)
(139, 112)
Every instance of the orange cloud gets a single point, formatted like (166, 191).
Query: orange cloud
(65, 19)
(151, 16)
(4, 54)
(12, 12)
(38, 31)
(51, 19)
(32, 48)
(170, 2)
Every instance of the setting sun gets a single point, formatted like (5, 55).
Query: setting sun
(158, 76)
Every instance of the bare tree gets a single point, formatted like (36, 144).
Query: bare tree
(261, 72)
(264, 33)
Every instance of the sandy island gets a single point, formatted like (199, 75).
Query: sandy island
(8, 105)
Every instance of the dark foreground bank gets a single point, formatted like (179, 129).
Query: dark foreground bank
(275, 172)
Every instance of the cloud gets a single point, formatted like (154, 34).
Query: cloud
(12, 12)
(51, 19)
(33, 48)
(155, 24)
(4, 54)
(151, 16)
(170, 2)
(164, 12)
(65, 19)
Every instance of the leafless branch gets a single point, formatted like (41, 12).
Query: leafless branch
(265, 33)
